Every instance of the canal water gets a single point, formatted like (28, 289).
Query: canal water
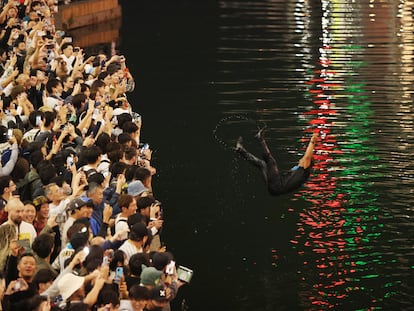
(210, 71)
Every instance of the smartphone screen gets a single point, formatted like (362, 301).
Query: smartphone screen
(119, 272)
(184, 274)
(9, 133)
(170, 268)
(69, 161)
(38, 120)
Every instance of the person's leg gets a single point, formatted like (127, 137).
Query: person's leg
(306, 160)
(251, 158)
(260, 138)
(247, 155)
(272, 171)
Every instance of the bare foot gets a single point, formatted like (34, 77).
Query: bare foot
(239, 143)
(259, 134)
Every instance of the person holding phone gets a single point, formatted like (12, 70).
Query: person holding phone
(9, 150)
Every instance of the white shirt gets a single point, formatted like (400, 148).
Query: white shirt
(25, 231)
(121, 224)
(58, 209)
(68, 223)
(52, 102)
(129, 249)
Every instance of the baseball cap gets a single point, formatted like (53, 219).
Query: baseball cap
(159, 293)
(136, 187)
(150, 276)
(68, 284)
(77, 203)
(38, 201)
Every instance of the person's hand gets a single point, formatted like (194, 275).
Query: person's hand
(100, 281)
(88, 141)
(91, 107)
(57, 125)
(15, 72)
(16, 286)
(315, 137)
(78, 259)
(123, 289)
(120, 235)
(120, 181)
(15, 249)
(104, 271)
(51, 222)
(108, 179)
(155, 211)
(107, 213)
(71, 130)
(90, 59)
(76, 90)
(158, 223)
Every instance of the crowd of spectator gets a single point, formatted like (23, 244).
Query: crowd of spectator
(80, 224)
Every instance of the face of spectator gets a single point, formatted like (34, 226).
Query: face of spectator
(55, 193)
(16, 211)
(3, 57)
(96, 196)
(12, 12)
(67, 190)
(145, 211)
(132, 208)
(86, 211)
(138, 304)
(69, 83)
(29, 213)
(44, 210)
(59, 88)
(33, 80)
(68, 51)
(27, 267)
(11, 188)
(21, 46)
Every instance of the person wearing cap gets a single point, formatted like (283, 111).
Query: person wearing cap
(41, 203)
(78, 208)
(78, 235)
(72, 288)
(137, 237)
(160, 298)
(163, 286)
(150, 277)
(137, 189)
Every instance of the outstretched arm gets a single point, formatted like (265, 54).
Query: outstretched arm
(306, 160)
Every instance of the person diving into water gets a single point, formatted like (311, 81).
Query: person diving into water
(279, 183)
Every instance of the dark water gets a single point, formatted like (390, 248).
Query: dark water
(344, 241)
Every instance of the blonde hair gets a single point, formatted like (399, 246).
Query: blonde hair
(8, 233)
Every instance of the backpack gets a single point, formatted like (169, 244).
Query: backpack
(25, 190)
(5, 156)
